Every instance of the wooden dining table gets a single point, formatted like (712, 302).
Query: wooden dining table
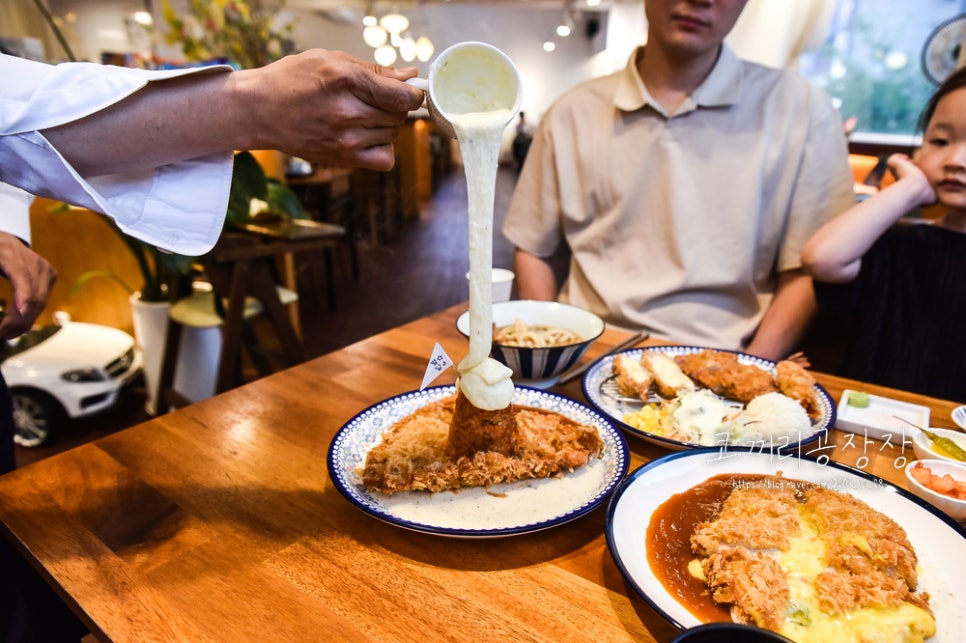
(218, 522)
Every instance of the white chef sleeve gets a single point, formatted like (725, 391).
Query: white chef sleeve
(179, 207)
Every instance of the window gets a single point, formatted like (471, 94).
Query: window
(871, 63)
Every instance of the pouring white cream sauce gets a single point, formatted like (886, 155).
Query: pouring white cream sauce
(473, 90)
(484, 381)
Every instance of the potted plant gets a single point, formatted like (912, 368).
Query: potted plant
(166, 276)
(246, 33)
(253, 195)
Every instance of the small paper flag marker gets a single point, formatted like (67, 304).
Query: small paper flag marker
(438, 363)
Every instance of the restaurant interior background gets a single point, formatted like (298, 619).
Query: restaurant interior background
(869, 54)
(874, 57)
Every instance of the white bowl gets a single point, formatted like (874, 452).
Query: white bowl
(922, 444)
(956, 509)
(540, 367)
(959, 415)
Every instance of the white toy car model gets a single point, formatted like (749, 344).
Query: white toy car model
(69, 371)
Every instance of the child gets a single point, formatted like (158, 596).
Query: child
(904, 285)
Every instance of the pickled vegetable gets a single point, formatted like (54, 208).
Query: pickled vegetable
(947, 445)
(944, 484)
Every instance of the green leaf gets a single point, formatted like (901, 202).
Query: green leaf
(90, 275)
(248, 181)
(281, 199)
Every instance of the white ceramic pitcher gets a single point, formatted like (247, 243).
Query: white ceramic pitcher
(470, 77)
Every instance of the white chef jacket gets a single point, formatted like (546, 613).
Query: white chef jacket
(178, 207)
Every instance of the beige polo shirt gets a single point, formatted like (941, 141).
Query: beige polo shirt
(678, 223)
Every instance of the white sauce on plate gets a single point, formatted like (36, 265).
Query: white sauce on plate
(525, 502)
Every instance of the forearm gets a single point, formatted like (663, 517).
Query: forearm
(835, 251)
(174, 119)
(534, 277)
(787, 319)
(323, 106)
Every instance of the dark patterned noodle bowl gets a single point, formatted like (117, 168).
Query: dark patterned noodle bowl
(539, 367)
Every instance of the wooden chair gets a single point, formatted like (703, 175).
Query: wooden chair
(327, 194)
(242, 271)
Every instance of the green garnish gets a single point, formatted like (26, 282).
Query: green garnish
(947, 445)
(858, 399)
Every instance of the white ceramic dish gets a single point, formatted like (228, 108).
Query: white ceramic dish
(540, 367)
(508, 509)
(600, 390)
(921, 444)
(937, 538)
(880, 419)
(959, 416)
(954, 507)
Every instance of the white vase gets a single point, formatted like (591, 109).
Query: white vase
(197, 368)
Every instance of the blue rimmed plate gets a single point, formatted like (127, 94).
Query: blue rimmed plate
(936, 537)
(959, 416)
(600, 389)
(501, 510)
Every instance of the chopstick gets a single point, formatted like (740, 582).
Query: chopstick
(916, 426)
(578, 370)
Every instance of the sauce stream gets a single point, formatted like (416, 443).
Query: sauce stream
(485, 382)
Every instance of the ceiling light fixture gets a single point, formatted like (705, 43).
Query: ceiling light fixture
(407, 49)
(424, 49)
(394, 23)
(369, 20)
(549, 45)
(390, 33)
(566, 26)
(143, 18)
(374, 36)
(385, 55)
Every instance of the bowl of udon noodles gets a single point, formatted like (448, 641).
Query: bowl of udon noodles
(538, 340)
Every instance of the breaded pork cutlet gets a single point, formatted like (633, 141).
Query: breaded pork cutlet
(669, 379)
(723, 374)
(866, 560)
(413, 454)
(473, 429)
(734, 548)
(707, 368)
(633, 380)
(869, 560)
(798, 384)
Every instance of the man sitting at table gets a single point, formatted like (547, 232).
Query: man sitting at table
(684, 188)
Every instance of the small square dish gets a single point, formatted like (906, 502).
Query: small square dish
(881, 417)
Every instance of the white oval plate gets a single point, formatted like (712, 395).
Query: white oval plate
(938, 540)
(600, 389)
(505, 509)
